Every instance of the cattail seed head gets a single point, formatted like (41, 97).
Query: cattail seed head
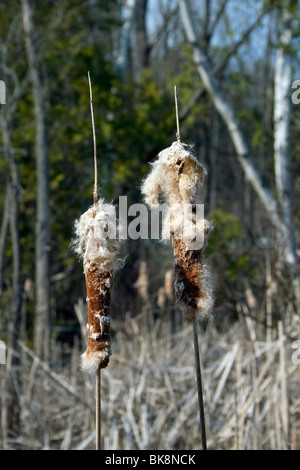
(99, 253)
(169, 283)
(142, 282)
(178, 176)
(92, 242)
(161, 298)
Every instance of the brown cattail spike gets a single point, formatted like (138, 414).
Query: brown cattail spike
(169, 284)
(100, 261)
(98, 285)
(142, 282)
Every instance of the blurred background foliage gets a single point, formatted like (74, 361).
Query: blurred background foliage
(135, 120)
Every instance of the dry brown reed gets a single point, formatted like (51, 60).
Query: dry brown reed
(148, 393)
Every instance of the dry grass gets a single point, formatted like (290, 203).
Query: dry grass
(149, 398)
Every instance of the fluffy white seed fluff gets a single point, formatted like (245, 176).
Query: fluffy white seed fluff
(90, 362)
(185, 225)
(96, 235)
(177, 174)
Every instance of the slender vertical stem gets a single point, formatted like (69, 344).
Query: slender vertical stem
(196, 346)
(96, 197)
(98, 409)
(95, 194)
(199, 386)
(177, 116)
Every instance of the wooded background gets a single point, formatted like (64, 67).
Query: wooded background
(234, 64)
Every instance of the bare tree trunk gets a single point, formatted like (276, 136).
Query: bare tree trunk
(220, 67)
(14, 201)
(282, 115)
(141, 48)
(42, 278)
(213, 164)
(12, 402)
(122, 60)
(3, 235)
(214, 88)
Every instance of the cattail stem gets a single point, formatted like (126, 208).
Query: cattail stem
(100, 260)
(95, 194)
(178, 175)
(96, 198)
(199, 386)
(98, 409)
(177, 115)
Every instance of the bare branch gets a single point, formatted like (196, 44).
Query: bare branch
(219, 68)
(217, 17)
(214, 88)
(206, 31)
